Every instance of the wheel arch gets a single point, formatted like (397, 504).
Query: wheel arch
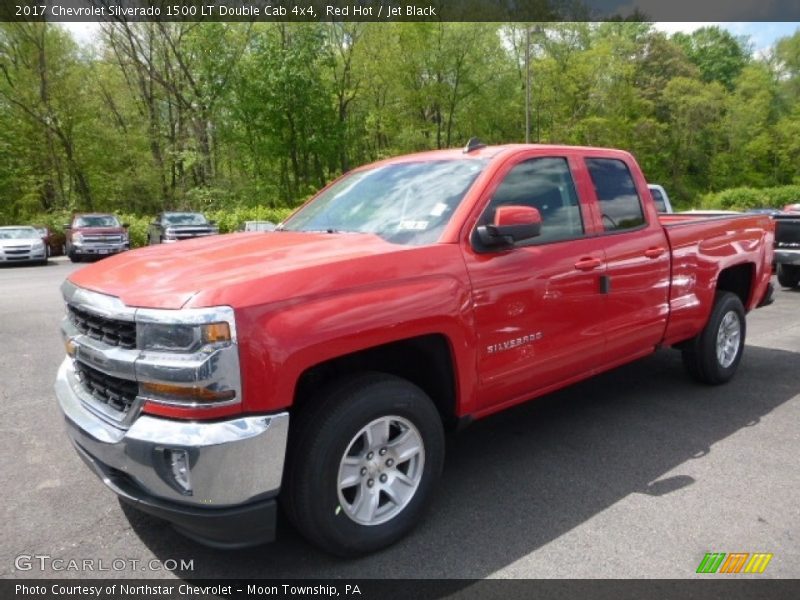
(740, 280)
(427, 361)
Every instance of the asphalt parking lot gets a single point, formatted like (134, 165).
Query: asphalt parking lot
(636, 473)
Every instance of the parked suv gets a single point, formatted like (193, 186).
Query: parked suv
(175, 226)
(95, 235)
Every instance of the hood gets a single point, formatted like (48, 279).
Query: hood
(20, 241)
(241, 268)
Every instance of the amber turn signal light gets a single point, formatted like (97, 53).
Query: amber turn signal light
(186, 393)
(216, 332)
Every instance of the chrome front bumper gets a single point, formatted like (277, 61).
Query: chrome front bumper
(97, 249)
(33, 255)
(231, 462)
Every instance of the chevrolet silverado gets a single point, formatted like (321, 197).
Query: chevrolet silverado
(95, 235)
(317, 366)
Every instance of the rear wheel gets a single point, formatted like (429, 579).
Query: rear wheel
(714, 355)
(789, 275)
(363, 464)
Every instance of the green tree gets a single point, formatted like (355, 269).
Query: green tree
(718, 54)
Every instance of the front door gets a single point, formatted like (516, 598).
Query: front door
(538, 308)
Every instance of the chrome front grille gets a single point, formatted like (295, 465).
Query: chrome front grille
(19, 251)
(110, 331)
(118, 394)
(182, 234)
(102, 239)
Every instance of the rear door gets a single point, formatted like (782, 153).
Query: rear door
(538, 308)
(637, 257)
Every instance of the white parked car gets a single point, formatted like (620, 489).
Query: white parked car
(21, 244)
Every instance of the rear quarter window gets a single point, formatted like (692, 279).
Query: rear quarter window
(620, 205)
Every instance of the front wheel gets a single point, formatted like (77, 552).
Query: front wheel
(71, 254)
(363, 463)
(788, 275)
(714, 355)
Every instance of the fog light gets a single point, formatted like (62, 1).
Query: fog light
(178, 461)
(70, 347)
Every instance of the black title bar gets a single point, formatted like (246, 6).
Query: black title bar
(398, 10)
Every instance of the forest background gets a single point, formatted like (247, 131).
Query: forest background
(247, 120)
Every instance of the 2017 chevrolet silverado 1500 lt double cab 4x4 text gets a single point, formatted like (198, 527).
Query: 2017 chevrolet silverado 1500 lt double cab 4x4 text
(319, 365)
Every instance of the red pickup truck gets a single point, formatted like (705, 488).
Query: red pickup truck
(319, 365)
(95, 235)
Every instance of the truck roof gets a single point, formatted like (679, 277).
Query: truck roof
(490, 152)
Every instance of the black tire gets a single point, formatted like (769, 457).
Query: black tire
(74, 258)
(320, 439)
(789, 275)
(700, 356)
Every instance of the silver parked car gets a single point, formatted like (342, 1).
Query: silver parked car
(22, 244)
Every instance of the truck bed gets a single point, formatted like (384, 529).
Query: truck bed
(703, 245)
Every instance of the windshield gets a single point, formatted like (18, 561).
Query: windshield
(18, 233)
(96, 221)
(185, 219)
(404, 203)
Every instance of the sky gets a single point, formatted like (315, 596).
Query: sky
(762, 35)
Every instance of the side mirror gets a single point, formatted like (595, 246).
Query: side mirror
(511, 224)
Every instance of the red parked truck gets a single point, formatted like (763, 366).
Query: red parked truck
(319, 365)
(95, 235)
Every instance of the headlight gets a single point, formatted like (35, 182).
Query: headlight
(189, 359)
(181, 338)
(38, 245)
(77, 238)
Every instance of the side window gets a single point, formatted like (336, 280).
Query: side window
(545, 184)
(620, 206)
